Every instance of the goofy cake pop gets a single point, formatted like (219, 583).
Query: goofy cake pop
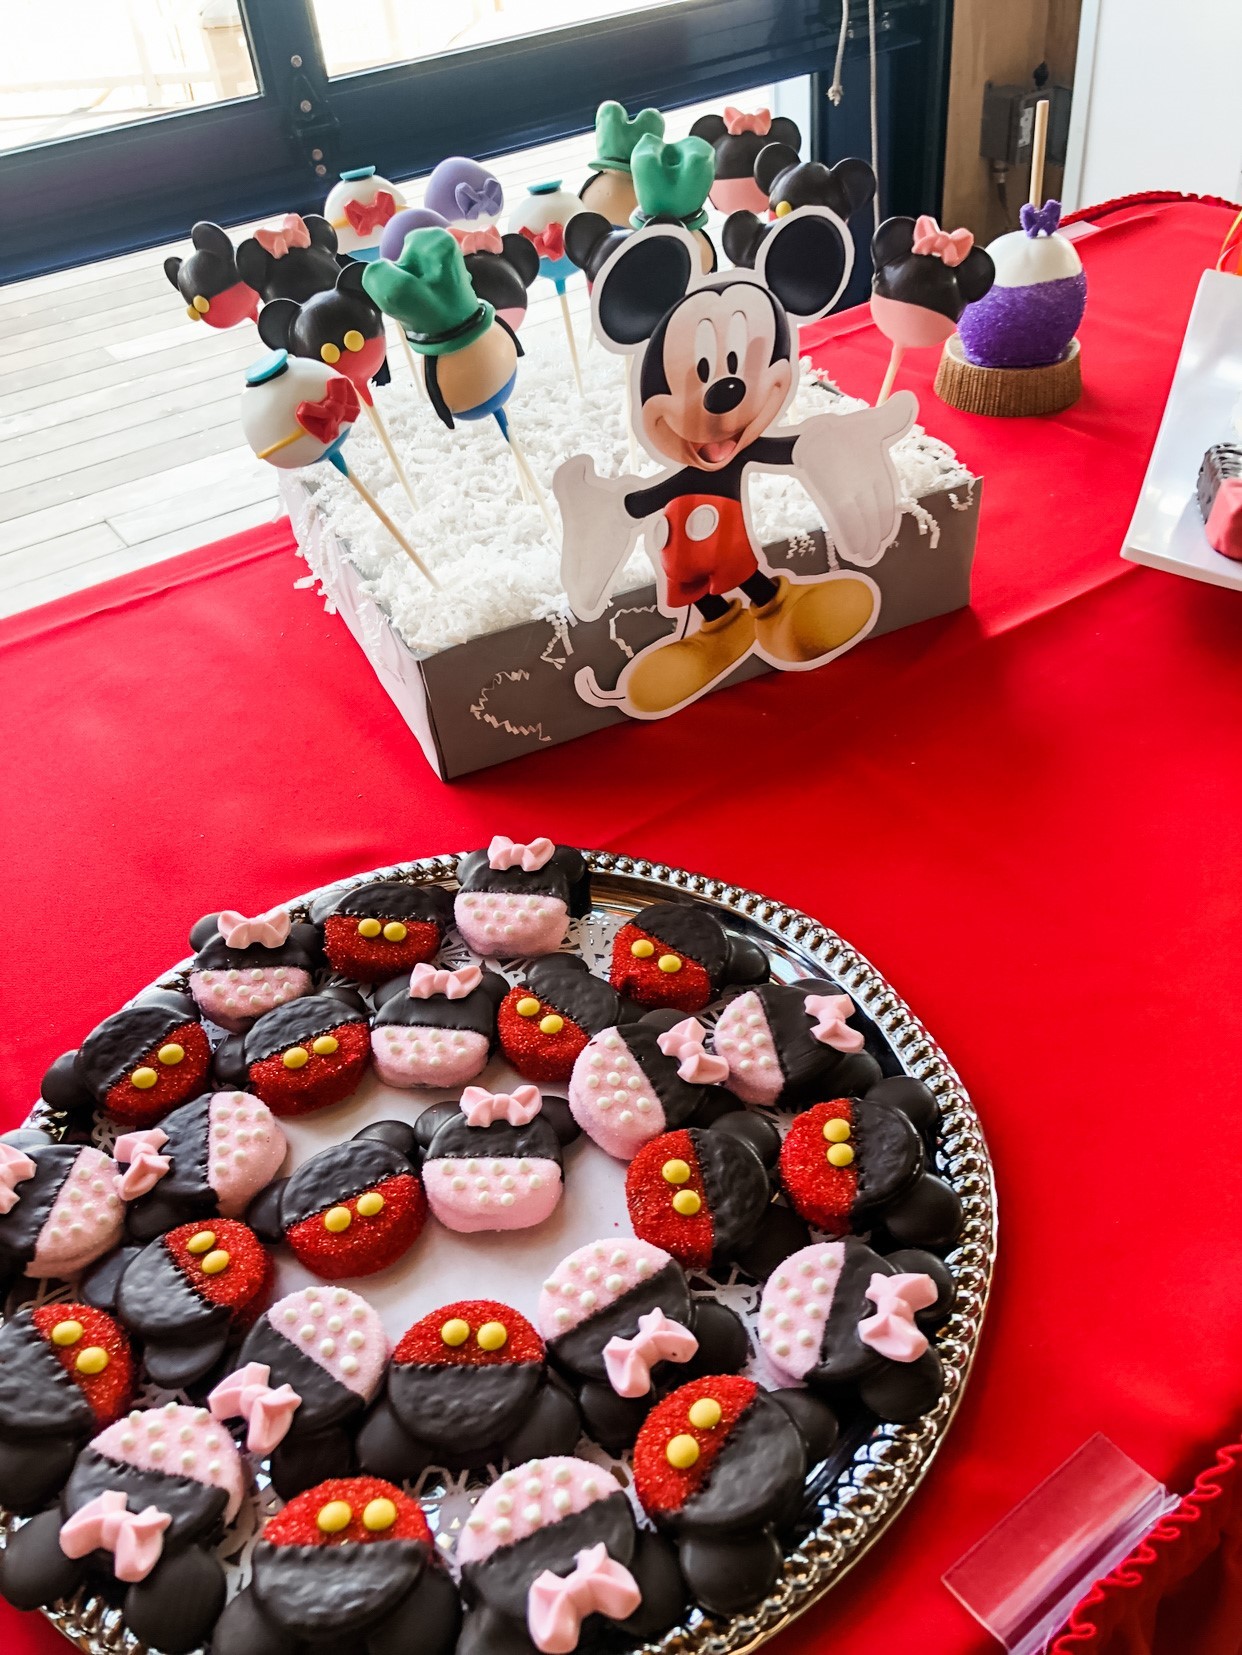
(358, 208)
(672, 182)
(609, 188)
(738, 138)
(209, 281)
(713, 361)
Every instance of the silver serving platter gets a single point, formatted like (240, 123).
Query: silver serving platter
(854, 1496)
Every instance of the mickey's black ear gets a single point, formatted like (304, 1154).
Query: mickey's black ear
(574, 866)
(263, 1213)
(746, 962)
(975, 275)
(494, 986)
(321, 232)
(398, 1135)
(709, 127)
(350, 280)
(785, 131)
(805, 260)
(203, 930)
(893, 240)
(228, 1063)
(348, 996)
(741, 236)
(771, 161)
(172, 269)
(585, 235)
(519, 251)
(276, 321)
(559, 1116)
(856, 182)
(430, 1122)
(252, 264)
(641, 283)
(210, 238)
(62, 1087)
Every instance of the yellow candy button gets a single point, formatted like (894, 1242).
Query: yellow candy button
(337, 1219)
(493, 1336)
(551, 1024)
(297, 1057)
(369, 928)
(203, 1242)
(334, 1517)
(353, 341)
(201, 304)
(840, 1155)
(66, 1333)
(144, 1079)
(455, 1332)
(330, 353)
(669, 963)
(642, 949)
(171, 1054)
(378, 1515)
(675, 1172)
(783, 209)
(687, 1203)
(394, 931)
(705, 1414)
(94, 1359)
(528, 1006)
(325, 1045)
(370, 1204)
(682, 1452)
(836, 1132)
(215, 1262)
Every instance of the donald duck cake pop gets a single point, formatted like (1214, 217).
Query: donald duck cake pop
(358, 208)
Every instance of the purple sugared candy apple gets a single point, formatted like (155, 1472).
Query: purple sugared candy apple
(1032, 312)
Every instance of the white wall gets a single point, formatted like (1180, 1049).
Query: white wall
(1158, 99)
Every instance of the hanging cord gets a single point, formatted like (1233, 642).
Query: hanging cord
(875, 110)
(836, 91)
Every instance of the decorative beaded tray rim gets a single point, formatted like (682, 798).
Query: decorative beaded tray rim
(857, 1493)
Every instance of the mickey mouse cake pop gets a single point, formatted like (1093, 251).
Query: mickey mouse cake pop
(303, 1056)
(791, 1043)
(678, 954)
(738, 137)
(436, 1026)
(788, 183)
(381, 928)
(493, 1161)
(672, 182)
(290, 260)
(243, 967)
(468, 1385)
(517, 899)
(209, 280)
(60, 1206)
(358, 208)
(464, 194)
(609, 187)
(137, 1064)
(1032, 310)
(339, 326)
(145, 1506)
(547, 1018)
(924, 279)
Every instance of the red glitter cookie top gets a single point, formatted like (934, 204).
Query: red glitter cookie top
(667, 1199)
(649, 977)
(821, 1191)
(177, 1078)
(375, 1234)
(539, 1039)
(683, 1436)
(223, 1261)
(94, 1351)
(348, 1511)
(472, 1333)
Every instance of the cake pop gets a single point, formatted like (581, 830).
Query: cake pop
(209, 280)
(738, 139)
(542, 218)
(501, 270)
(610, 185)
(290, 260)
(358, 208)
(1036, 302)
(672, 182)
(391, 243)
(924, 279)
(464, 194)
(790, 183)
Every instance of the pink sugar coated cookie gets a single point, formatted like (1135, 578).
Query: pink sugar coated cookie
(506, 926)
(529, 1498)
(611, 1098)
(744, 1039)
(593, 1278)
(421, 1056)
(339, 1331)
(85, 1220)
(491, 1193)
(795, 1305)
(234, 997)
(179, 1441)
(245, 1149)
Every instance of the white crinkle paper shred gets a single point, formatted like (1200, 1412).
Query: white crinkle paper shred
(497, 564)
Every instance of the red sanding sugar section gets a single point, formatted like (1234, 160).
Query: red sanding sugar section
(1028, 814)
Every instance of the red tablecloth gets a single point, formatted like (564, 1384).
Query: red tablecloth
(1028, 815)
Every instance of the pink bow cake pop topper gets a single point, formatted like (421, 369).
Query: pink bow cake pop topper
(516, 1108)
(685, 1041)
(15, 1169)
(428, 980)
(358, 207)
(268, 1412)
(278, 240)
(924, 279)
(628, 1362)
(892, 1330)
(950, 246)
(135, 1538)
(830, 1027)
(138, 1153)
(557, 1605)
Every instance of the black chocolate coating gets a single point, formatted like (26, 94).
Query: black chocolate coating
(116, 1045)
(184, 1192)
(474, 1013)
(456, 1140)
(316, 1593)
(591, 240)
(736, 1186)
(302, 270)
(197, 1510)
(1221, 464)
(301, 950)
(564, 875)
(504, 1578)
(459, 1407)
(749, 1483)
(386, 899)
(154, 1299)
(690, 930)
(336, 1174)
(325, 1401)
(729, 1574)
(814, 1072)
(737, 152)
(503, 278)
(174, 1608)
(211, 269)
(563, 981)
(21, 1225)
(924, 279)
(888, 1156)
(581, 1349)
(37, 1395)
(680, 1099)
(323, 319)
(301, 1020)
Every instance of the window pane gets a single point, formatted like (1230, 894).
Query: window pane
(74, 66)
(365, 34)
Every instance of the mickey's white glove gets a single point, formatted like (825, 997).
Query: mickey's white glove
(598, 533)
(845, 463)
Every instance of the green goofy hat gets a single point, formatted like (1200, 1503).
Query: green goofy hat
(616, 134)
(427, 290)
(671, 181)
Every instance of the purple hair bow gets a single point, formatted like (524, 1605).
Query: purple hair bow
(1041, 220)
(481, 200)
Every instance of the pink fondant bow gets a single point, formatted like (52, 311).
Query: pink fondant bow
(892, 1330)
(951, 246)
(365, 216)
(508, 853)
(247, 1395)
(557, 1605)
(684, 1041)
(144, 1166)
(338, 406)
(15, 1168)
(519, 1108)
(135, 1538)
(290, 232)
(831, 1029)
(271, 930)
(425, 981)
(737, 120)
(549, 242)
(628, 1362)
(488, 240)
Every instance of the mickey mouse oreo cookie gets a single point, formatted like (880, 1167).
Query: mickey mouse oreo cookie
(633, 1082)
(679, 955)
(547, 1018)
(137, 1064)
(303, 1056)
(60, 1205)
(436, 1026)
(379, 930)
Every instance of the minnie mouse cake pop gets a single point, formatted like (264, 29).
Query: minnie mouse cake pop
(302, 1056)
(358, 207)
(66, 1371)
(305, 1373)
(243, 967)
(210, 282)
(679, 955)
(924, 279)
(60, 1206)
(208, 1159)
(468, 1385)
(339, 326)
(609, 188)
(137, 1064)
(637, 1080)
(546, 1020)
(436, 1027)
(517, 899)
(790, 1043)
(145, 1505)
(291, 260)
(501, 270)
(738, 138)
(349, 1564)
(493, 1161)
(378, 930)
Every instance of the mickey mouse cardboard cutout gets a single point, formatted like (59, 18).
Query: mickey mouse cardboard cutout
(713, 368)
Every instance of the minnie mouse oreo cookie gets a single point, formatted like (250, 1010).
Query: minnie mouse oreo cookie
(378, 930)
(436, 1027)
(303, 1056)
(60, 1206)
(517, 899)
(790, 1043)
(546, 1020)
(243, 967)
(137, 1064)
(679, 955)
(493, 1161)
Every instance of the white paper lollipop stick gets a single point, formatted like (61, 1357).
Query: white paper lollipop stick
(569, 334)
(894, 362)
(1039, 145)
(381, 431)
(524, 466)
(392, 528)
(415, 371)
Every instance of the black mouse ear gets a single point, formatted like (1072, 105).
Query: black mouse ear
(348, 996)
(584, 235)
(520, 252)
(494, 986)
(228, 1063)
(430, 1122)
(210, 238)
(276, 321)
(856, 182)
(172, 269)
(747, 962)
(252, 264)
(382, 993)
(771, 161)
(975, 275)
(784, 131)
(321, 232)
(640, 283)
(62, 1086)
(350, 280)
(263, 1213)
(559, 1116)
(893, 240)
(203, 930)
(711, 128)
(805, 260)
(398, 1135)
(741, 237)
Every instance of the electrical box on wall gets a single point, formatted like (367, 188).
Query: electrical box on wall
(1009, 122)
